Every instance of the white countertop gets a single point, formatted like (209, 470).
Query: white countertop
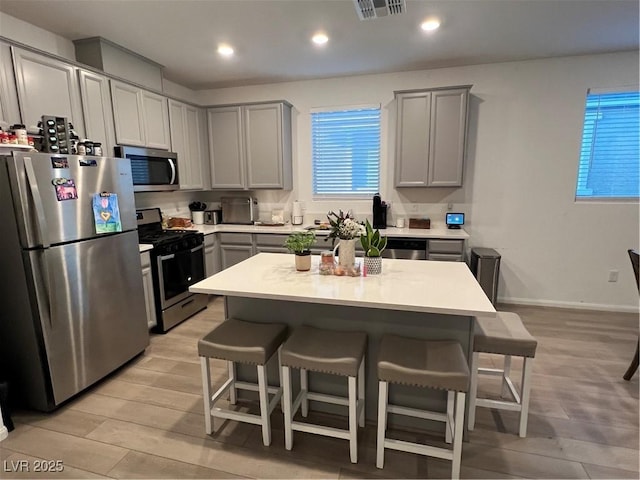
(145, 247)
(410, 285)
(436, 232)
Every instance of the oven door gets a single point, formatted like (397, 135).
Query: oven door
(177, 272)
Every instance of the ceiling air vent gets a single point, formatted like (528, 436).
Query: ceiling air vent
(370, 9)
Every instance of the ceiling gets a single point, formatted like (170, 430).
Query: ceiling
(271, 37)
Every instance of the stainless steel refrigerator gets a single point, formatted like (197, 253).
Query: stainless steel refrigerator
(72, 301)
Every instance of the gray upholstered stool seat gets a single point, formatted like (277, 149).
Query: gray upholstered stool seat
(504, 334)
(243, 342)
(327, 351)
(439, 364)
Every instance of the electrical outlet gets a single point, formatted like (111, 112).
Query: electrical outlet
(449, 206)
(613, 275)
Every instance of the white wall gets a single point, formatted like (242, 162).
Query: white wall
(524, 137)
(23, 32)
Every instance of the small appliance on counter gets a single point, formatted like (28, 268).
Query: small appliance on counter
(454, 220)
(296, 213)
(239, 210)
(212, 217)
(379, 212)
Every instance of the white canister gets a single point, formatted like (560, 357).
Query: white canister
(400, 222)
(197, 217)
(296, 213)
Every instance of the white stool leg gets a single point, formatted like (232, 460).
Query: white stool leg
(507, 371)
(264, 404)
(450, 400)
(353, 420)
(206, 393)
(232, 387)
(525, 388)
(286, 402)
(304, 387)
(383, 392)
(361, 380)
(457, 436)
(473, 390)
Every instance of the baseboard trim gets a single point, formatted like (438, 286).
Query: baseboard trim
(575, 305)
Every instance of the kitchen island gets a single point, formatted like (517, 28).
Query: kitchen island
(431, 300)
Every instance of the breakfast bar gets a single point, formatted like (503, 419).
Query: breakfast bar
(420, 299)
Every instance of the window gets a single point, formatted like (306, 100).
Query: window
(346, 151)
(610, 155)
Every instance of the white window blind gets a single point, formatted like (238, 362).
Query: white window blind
(610, 155)
(346, 152)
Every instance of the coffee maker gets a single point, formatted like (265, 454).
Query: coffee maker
(379, 212)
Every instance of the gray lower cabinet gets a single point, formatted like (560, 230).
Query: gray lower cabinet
(270, 243)
(185, 141)
(451, 250)
(46, 87)
(96, 110)
(250, 146)
(211, 254)
(431, 128)
(147, 283)
(9, 109)
(234, 248)
(141, 117)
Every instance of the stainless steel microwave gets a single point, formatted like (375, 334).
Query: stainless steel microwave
(151, 170)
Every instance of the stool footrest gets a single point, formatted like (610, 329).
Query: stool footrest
(322, 397)
(254, 388)
(485, 402)
(412, 412)
(411, 447)
(491, 371)
(238, 416)
(322, 430)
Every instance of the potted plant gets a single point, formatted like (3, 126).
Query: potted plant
(197, 212)
(373, 244)
(300, 243)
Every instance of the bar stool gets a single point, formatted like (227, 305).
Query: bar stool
(243, 342)
(505, 335)
(438, 364)
(327, 351)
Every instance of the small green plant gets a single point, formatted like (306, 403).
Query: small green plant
(372, 242)
(300, 242)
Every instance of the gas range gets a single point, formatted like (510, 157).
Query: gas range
(177, 262)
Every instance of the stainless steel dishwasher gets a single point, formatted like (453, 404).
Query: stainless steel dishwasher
(406, 248)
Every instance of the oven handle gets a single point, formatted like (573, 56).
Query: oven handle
(173, 255)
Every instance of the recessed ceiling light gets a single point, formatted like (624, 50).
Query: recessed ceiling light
(320, 38)
(225, 50)
(430, 25)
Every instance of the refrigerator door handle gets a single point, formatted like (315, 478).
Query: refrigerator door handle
(42, 278)
(173, 171)
(37, 200)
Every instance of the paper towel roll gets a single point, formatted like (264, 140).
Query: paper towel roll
(296, 213)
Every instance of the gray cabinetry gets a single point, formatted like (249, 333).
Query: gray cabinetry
(250, 146)
(234, 248)
(141, 117)
(96, 110)
(9, 109)
(270, 243)
(445, 249)
(147, 283)
(430, 137)
(211, 254)
(185, 141)
(46, 87)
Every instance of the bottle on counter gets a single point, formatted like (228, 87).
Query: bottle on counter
(97, 149)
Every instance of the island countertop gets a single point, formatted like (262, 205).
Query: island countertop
(411, 285)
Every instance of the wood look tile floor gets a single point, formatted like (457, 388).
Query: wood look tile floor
(146, 420)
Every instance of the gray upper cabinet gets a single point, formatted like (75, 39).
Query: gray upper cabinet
(431, 137)
(46, 87)
(9, 109)
(186, 142)
(141, 117)
(250, 146)
(96, 109)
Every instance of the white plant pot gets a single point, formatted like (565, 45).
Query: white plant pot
(303, 262)
(374, 265)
